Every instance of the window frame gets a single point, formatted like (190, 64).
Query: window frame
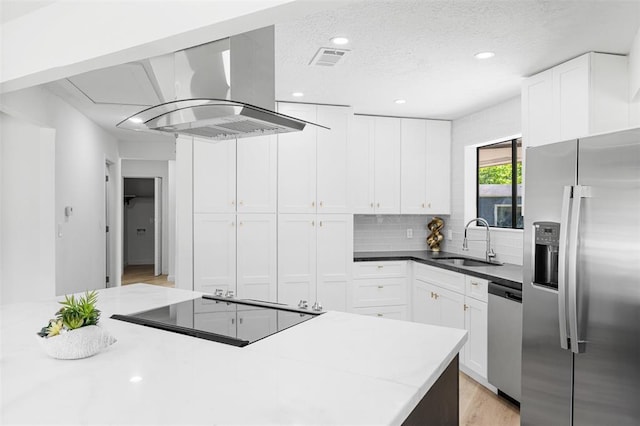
(514, 180)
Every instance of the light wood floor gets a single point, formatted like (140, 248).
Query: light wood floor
(481, 407)
(478, 405)
(144, 274)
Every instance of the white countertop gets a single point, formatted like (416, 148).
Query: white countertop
(336, 369)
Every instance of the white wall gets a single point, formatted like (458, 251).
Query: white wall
(150, 169)
(497, 122)
(162, 149)
(81, 149)
(27, 203)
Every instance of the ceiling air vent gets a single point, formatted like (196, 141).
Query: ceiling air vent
(328, 57)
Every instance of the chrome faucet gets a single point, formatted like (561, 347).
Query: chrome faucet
(490, 255)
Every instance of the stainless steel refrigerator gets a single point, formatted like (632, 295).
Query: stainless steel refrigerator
(581, 288)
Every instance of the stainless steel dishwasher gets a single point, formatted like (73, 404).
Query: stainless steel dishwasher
(505, 340)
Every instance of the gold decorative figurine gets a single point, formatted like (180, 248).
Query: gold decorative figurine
(435, 237)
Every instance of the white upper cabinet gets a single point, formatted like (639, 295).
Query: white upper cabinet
(214, 252)
(361, 165)
(425, 166)
(333, 159)
(581, 97)
(438, 166)
(374, 160)
(214, 176)
(257, 174)
(297, 162)
(256, 257)
(386, 143)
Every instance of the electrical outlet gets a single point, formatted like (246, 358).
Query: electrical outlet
(449, 234)
(409, 233)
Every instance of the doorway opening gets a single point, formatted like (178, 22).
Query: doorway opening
(142, 232)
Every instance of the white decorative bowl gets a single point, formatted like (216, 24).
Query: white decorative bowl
(82, 342)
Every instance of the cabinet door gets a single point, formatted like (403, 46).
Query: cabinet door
(214, 252)
(332, 160)
(426, 309)
(254, 324)
(386, 142)
(475, 350)
(571, 98)
(297, 163)
(451, 308)
(538, 125)
(296, 258)
(334, 260)
(256, 265)
(214, 176)
(438, 167)
(413, 166)
(257, 174)
(361, 165)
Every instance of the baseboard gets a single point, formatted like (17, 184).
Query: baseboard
(478, 378)
(140, 262)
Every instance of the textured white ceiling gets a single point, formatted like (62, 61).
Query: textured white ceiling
(422, 51)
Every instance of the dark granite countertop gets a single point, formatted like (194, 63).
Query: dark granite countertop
(506, 274)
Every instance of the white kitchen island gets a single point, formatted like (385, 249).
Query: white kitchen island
(336, 369)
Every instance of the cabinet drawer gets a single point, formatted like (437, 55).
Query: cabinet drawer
(441, 277)
(392, 312)
(476, 288)
(379, 292)
(393, 269)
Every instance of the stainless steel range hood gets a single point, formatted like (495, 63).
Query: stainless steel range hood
(221, 90)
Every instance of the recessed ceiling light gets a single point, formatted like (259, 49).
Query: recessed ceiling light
(484, 55)
(135, 379)
(339, 40)
(297, 94)
(400, 101)
(136, 120)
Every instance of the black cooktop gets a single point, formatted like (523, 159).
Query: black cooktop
(235, 322)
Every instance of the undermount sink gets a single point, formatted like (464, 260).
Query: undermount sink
(465, 261)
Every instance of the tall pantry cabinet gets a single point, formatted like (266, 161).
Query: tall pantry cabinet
(234, 217)
(315, 227)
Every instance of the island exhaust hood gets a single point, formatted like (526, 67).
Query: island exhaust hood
(220, 90)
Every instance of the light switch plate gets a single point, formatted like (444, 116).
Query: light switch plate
(409, 233)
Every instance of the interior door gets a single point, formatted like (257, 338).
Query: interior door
(607, 373)
(157, 226)
(107, 242)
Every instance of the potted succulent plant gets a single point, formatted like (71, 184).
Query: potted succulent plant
(74, 332)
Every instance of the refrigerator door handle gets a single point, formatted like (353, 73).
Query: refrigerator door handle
(562, 263)
(579, 192)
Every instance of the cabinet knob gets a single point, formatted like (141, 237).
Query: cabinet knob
(233, 202)
(321, 203)
(218, 292)
(240, 224)
(313, 204)
(371, 205)
(423, 205)
(313, 223)
(429, 205)
(321, 223)
(241, 202)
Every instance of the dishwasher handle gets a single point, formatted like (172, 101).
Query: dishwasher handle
(505, 292)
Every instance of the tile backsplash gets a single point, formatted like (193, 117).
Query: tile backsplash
(389, 232)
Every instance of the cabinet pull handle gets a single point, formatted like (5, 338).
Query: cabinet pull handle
(378, 204)
(466, 307)
(313, 204)
(435, 295)
(320, 223)
(313, 223)
(423, 205)
(380, 266)
(233, 224)
(380, 286)
(233, 320)
(429, 205)
(240, 223)
(371, 205)
(474, 283)
(233, 202)
(321, 203)
(240, 320)
(379, 315)
(241, 202)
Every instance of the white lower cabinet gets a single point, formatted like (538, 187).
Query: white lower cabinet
(235, 253)
(315, 254)
(380, 289)
(450, 299)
